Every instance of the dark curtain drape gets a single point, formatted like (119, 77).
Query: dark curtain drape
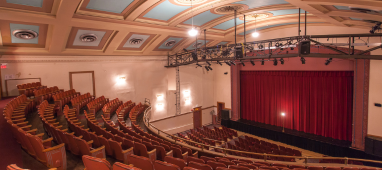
(317, 102)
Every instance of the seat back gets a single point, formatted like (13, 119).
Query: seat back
(83, 146)
(74, 149)
(205, 158)
(195, 160)
(95, 163)
(214, 164)
(176, 161)
(140, 149)
(248, 166)
(199, 166)
(140, 162)
(161, 152)
(38, 147)
(15, 167)
(105, 142)
(314, 168)
(95, 140)
(227, 163)
(159, 165)
(238, 167)
(117, 149)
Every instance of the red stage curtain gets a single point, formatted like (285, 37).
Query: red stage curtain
(317, 102)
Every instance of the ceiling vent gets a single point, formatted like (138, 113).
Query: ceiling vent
(25, 34)
(88, 37)
(197, 44)
(364, 10)
(135, 41)
(170, 43)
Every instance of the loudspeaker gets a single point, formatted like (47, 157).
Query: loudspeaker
(304, 47)
(239, 52)
(226, 114)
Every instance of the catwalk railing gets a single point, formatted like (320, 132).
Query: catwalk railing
(340, 45)
(146, 119)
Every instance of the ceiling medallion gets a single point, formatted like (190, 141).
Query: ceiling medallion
(170, 43)
(88, 37)
(135, 41)
(229, 9)
(25, 34)
(188, 2)
(256, 16)
(197, 44)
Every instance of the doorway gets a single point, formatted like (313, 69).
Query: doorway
(82, 81)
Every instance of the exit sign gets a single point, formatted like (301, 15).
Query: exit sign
(3, 65)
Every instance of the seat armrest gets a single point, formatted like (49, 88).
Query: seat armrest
(169, 153)
(54, 147)
(47, 140)
(128, 150)
(90, 142)
(34, 130)
(29, 126)
(152, 151)
(195, 154)
(98, 149)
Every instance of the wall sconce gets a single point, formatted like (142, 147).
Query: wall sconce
(122, 78)
(186, 93)
(187, 101)
(160, 106)
(159, 97)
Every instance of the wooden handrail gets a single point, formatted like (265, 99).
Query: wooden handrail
(148, 124)
(179, 115)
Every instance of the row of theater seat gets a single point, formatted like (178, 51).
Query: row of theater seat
(81, 101)
(111, 107)
(63, 98)
(27, 89)
(135, 111)
(45, 94)
(123, 110)
(95, 105)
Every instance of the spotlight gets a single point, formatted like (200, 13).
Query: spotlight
(198, 65)
(262, 61)
(219, 63)
(185, 50)
(260, 46)
(275, 62)
(302, 60)
(229, 64)
(252, 62)
(232, 62)
(328, 61)
(282, 61)
(291, 48)
(208, 63)
(210, 67)
(255, 34)
(206, 68)
(242, 63)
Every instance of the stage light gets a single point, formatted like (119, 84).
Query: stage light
(291, 48)
(375, 28)
(219, 63)
(275, 62)
(252, 62)
(283, 114)
(208, 63)
(328, 61)
(193, 32)
(210, 67)
(232, 62)
(242, 63)
(198, 65)
(302, 60)
(229, 64)
(262, 61)
(282, 61)
(185, 50)
(206, 68)
(255, 34)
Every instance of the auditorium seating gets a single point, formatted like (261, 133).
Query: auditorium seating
(27, 89)
(95, 105)
(63, 98)
(110, 107)
(45, 94)
(81, 101)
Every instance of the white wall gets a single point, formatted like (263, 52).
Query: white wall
(222, 84)
(375, 96)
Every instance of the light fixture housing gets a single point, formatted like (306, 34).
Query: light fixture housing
(281, 60)
(275, 62)
(255, 34)
(328, 61)
(242, 63)
(262, 61)
(302, 60)
(252, 62)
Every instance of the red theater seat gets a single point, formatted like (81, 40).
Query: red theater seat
(85, 149)
(159, 165)
(214, 164)
(189, 151)
(227, 163)
(350, 168)
(248, 166)
(190, 168)
(92, 163)
(140, 162)
(199, 166)
(14, 167)
(296, 166)
(105, 143)
(176, 161)
(314, 168)
(161, 152)
(121, 166)
(221, 168)
(205, 158)
(178, 153)
(268, 168)
(141, 150)
(238, 167)
(119, 153)
(52, 157)
(195, 160)
(333, 168)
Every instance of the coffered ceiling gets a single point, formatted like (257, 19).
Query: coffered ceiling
(159, 27)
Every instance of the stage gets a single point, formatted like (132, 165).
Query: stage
(315, 143)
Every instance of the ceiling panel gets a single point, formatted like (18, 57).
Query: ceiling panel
(173, 40)
(203, 18)
(34, 3)
(228, 24)
(165, 11)
(342, 7)
(200, 42)
(285, 12)
(260, 3)
(114, 6)
(136, 41)
(143, 38)
(78, 42)
(14, 27)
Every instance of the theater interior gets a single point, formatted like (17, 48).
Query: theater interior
(191, 84)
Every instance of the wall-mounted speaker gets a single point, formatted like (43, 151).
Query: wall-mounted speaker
(226, 114)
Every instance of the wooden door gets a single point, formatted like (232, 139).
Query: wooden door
(220, 107)
(197, 117)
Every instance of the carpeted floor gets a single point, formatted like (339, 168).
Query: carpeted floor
(11, 152)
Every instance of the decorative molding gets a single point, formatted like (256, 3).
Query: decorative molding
(55, 59)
